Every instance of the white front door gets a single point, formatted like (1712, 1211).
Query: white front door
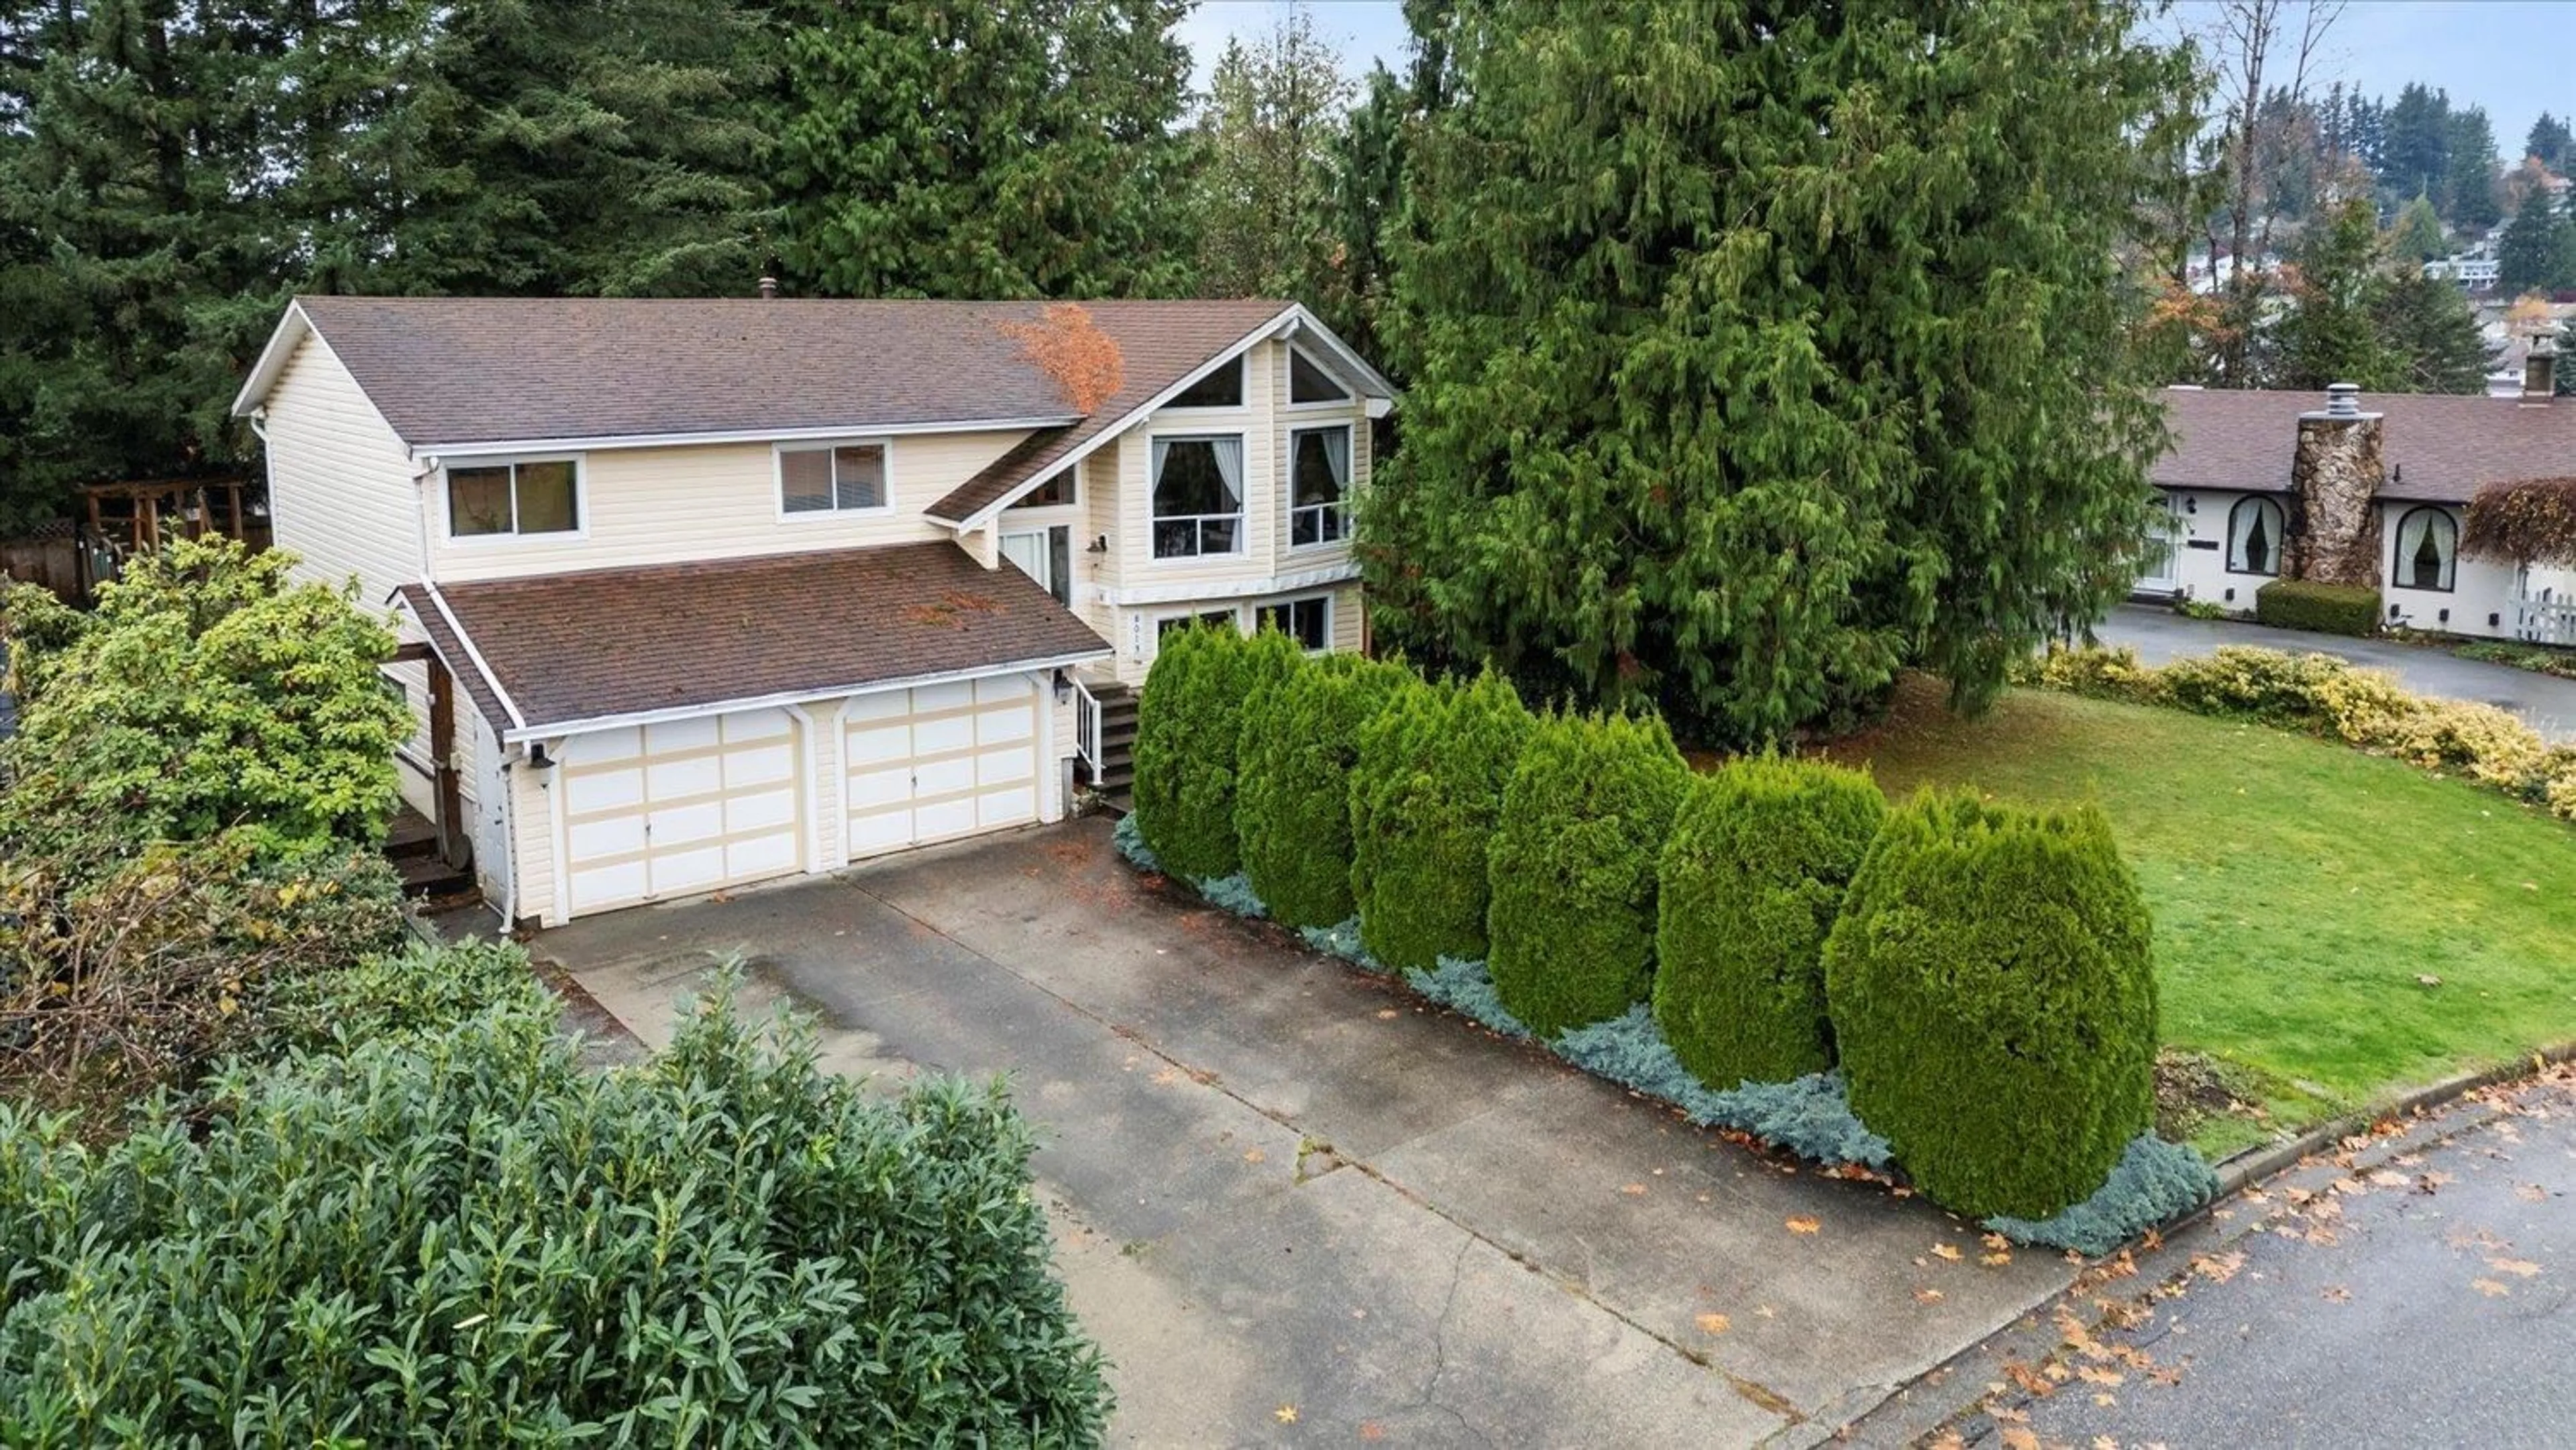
(941, 761)
(666, 810)
(2157, 568)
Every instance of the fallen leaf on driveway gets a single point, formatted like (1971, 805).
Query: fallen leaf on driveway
(2521, 1268)
(2387, 1178)
(2019, 1437)
(1713, 1323)
(2530, 1192)
(1372, 1430)
(1166, 1077)
(2490, 1288)
(1803, 1225)
(1999, 1257)
(2100, 1374)
(2218, 1268)
(2031, 1381)
(1927, 1296)
(1387, 1014)
(1285, 1414)
(1947, 1251)
(1254, 1156)
(1996, 1242)
(2338, 1294)
(1634, 1190)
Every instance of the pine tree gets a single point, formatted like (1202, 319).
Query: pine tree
(1269, 140)
(2330, 333)
(1792, 361)
(2415, 145)
(2475, 204)
(2534, 253)
(2429, 336)
(2550, 142)
(2418, 235)
(1022, 148)
(1373, 170)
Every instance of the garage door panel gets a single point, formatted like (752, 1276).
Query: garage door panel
(1001, 767)
(882, 743)
(997, 727)
(942, 777)
(613, 790)
(941, 761)
(1006, 807)
(956, 695)
(870, 789)
(945, 818)
(933, 737)
(998, 688)
(888, 705)
(880, 831)
(683, 807)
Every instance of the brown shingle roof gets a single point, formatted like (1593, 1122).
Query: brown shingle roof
(2438, 448)
(1154, 358)
(605, 642)
(448, 371)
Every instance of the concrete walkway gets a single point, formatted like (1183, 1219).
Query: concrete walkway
(1293, 1203)
(2548, 702)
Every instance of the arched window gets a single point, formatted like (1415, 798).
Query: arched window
(2428, 545)
(2254, 529)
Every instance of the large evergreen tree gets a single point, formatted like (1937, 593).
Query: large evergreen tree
(2415, 144)
(1755, 354)
(1271, 137)
(1372, 172)
(1014, 148)
(2428, 335)
(2330, 333)
(2550, 141)
(2475, 202)
(2538, 251)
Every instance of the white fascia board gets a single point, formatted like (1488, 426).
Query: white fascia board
(1371, 381)
(491, 448)
(1088, 446)
(1232, 589)
(560, 728)
(473, 655)
(291, 329)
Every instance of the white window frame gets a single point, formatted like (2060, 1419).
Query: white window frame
(778, 452)
(511, 537)
(1241, 362)
(1288, 487)
(1289, 604)
(1161, 617)
(1072, 476)
(1349, 400)
(2278, 518)
(2400, 575)
(1242, 514)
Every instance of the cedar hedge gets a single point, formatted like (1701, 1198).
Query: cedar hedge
(1752, 877)
(1292, 783)
(2325, 608)
(1572, 917)
(1189, 724)
(1424, 796)
(1993, 1002)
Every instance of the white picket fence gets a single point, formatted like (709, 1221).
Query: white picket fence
(2545, 621)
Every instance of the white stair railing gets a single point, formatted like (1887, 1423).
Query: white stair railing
(1086, 728)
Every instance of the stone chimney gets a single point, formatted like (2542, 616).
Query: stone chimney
(2334, 489)
(2540, 370)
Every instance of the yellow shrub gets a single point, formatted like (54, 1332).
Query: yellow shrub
(2492, 745)
(2100, 671)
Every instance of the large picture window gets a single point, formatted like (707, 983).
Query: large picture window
(1319, 485)
(1198, 496)
(832, 478)
(2428, 546)
(2254, 536)
(537, 496)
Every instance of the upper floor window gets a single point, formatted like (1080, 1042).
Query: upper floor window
(530, 496)
(1058, 489)
(2254, 536)
(1198, 496)
(1222, 388)
(2428, 543)
(831, 477)
(1319, 485)
(1309, 383)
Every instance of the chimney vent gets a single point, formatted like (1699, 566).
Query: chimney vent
(2343, 400)
(768, 289)
(2540, 369)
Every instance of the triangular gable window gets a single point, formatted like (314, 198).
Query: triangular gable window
(1308, 383)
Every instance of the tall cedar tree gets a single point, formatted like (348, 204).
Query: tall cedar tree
(1292, 786)
(1015, 148)
(1426, 792)
(1274, 126)
(2538, 250)
(2329, 335)
(1755, 355)
(1371, 173)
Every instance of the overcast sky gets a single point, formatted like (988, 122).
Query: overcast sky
(2517, 58)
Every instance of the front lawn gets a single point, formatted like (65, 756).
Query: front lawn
(2301, 889)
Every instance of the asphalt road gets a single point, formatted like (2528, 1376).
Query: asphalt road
(2414, 1292)
(2548, 702)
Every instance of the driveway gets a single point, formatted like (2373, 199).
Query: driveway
(1292, 1203)
(2547, 702)
(2411, 1288)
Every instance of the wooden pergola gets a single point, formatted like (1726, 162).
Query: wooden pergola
(136, 513)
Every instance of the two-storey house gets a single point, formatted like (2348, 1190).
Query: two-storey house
(698, 593)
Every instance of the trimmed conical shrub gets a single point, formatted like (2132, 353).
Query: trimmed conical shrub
(1188, 724)
(1752, 876)
(1424, 796)
(1292, 804)
(1993, 1002)
(1572, 920)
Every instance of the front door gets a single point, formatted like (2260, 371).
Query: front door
(2156, 566)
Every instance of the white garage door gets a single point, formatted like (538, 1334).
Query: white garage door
(940, 761)
(693, 805)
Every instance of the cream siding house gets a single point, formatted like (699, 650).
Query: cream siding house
(699, 593)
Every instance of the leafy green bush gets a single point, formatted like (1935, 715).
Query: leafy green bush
(1751, 878)
(1994, 1004)
(206, 694)
(1189, 724)
(2325, 608)
(464, 1237)
(1293, 783)
(1572, 919)
(1425, 791)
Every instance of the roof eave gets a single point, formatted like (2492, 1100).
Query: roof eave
(291, 330)
(548, 730)
(480, 447)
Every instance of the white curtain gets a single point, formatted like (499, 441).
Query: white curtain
(1229, 467)
(2254, 537)
(1162, 450)
(1337, 456)
(2412, 534)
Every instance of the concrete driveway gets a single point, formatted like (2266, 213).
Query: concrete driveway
(2546, 702)
(1292, 1203)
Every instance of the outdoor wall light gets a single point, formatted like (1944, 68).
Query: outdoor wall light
(2190, 504)
(1100, 545)
(537, 756)
(1063, 686)
(2444, 616)
(2231, 594)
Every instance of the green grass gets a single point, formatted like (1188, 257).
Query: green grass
(2300, 889)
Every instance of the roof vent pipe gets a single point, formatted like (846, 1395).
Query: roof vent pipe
(2343, 400)
(768, 289)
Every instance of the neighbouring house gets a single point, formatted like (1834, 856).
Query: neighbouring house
(697, 593)
(2260, 485)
